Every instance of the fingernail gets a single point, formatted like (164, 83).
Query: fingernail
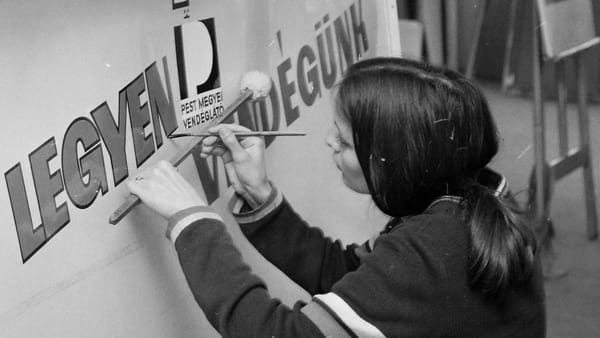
(225, 132)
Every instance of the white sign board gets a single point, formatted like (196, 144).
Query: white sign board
(88, 94)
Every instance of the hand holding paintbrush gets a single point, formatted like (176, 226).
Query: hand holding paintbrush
(244, 160)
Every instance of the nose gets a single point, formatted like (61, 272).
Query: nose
(332, 142)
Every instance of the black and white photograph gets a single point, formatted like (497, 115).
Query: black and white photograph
(300, 168)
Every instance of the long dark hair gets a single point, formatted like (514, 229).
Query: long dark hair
(421, 132)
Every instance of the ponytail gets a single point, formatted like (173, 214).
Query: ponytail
(502, 243)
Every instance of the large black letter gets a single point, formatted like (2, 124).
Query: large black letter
(360, 30)
(261, 107)
(47, 187)
(210, 183)
(113, 136)
(311, 88)
(326, 54)
(139, 115)
(287, 90)
(91, 164)
(160, 105)
(30, 240)
(342, 35)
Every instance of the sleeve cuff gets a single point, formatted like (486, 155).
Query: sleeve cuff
(184, 218)
(244, 217)
(345, 316)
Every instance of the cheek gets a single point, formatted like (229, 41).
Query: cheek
(353, 174)
(350, 165)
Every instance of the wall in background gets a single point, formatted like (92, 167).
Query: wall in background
(493, 41)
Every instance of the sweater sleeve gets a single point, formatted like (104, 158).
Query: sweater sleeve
(303, 253)
(235, 301)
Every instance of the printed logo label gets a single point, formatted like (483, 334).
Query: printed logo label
(180, 3)
(198, 70)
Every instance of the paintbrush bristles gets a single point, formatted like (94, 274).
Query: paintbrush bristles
(257, 82)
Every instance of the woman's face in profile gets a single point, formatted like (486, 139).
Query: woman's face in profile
(339, 139)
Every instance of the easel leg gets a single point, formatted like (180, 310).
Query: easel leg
(543, 176)
(592, 221)
(563, 137)
(473, 50)
(507, 74)
(539, 136)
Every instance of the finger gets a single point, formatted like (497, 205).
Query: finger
(210, 148)
(234, 127)
(236, 184)
(158, 179)
(132, 183)
(219, 150)
(153, 179)
(167, 171)
(141, 186)
(246, 142)
(133, 187)
(232, 175)
(231, 142)
(210, 140)
(227, 158)
(166, 166)
(249, 142)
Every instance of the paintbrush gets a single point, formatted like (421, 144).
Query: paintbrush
(242, 134)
